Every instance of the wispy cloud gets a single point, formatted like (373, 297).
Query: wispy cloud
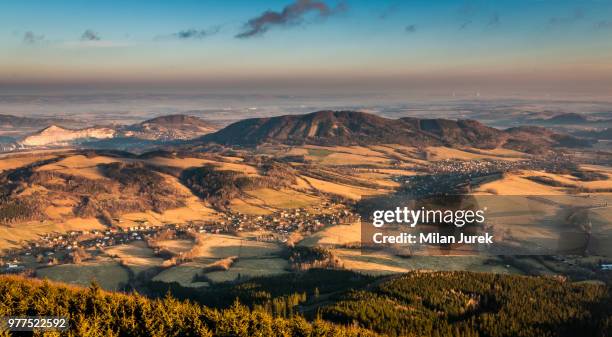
(30, 37)
(604, 24)
(577, 15)
(465, 24)
(292, 14)
(411, 29)
(388, 11)
(80, 44)
(467, 9)
(494, 20)
(90, 35)
(193, 34)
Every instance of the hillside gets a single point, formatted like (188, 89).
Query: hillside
(169, 127)
(471, 304)
(344, 128)
(417, 303)
(97, 313)
(322, 127)
(55, 135)
(461, 132)
(42, 191)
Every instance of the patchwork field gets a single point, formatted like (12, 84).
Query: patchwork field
(334, 236)
(251, 207)
(517, 184)
(185, 274)
(218, 246)
(346, 191)
(136, 256)
(250, 267)
(108, 274)
(383, 264)
(281, 199)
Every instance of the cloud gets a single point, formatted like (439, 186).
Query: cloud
(30, 38)
(388, 11)
(292, 14)
(411, 29)
(603, 24)
(493, 20)
(467, 10)
(94, 44)
(577, 15)
(465, 24)
(196, 34)
(90, 35)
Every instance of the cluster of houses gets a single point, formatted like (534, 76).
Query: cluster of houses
(449, 176)
(52, 248)
(286, 222)
(489, 166)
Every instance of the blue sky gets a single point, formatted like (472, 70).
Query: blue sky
(374, 41)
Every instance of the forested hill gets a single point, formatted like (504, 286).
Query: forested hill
(460, 304)
(93, 312)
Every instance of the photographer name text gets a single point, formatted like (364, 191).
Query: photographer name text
(431, 238)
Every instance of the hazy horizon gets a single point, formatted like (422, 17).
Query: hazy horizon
(507, 47)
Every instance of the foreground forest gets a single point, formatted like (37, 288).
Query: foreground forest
(414, 304)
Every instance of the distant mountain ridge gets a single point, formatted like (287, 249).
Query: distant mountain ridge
(328, 128)
(33, 122)
(563, 119)
(170, 127)
(159, 129)
(360, 128)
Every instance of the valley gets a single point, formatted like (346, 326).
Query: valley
(233, 213)
(196, 217)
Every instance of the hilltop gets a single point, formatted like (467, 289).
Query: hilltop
(322, 127)
(330, 128)
(169, 127)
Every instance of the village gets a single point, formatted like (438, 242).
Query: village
(459, 176)
(56, 249)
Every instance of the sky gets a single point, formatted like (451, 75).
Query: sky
(509, 45)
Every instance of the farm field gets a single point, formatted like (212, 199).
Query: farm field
(385, 264)
(136, 256)
(218, 246)
(246, 268)
(185, 274)
(333, 236)
(108, 274)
